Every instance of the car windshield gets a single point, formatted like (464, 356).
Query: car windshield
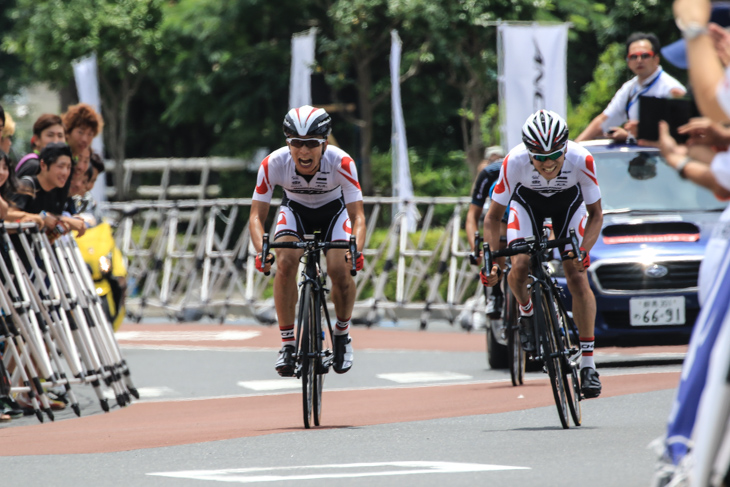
(642, 181)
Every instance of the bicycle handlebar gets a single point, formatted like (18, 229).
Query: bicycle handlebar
(532, 246)
(310, 244)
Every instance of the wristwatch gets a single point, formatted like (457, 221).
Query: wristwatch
(691, 30)
(682, 164)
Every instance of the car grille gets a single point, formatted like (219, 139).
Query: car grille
(630, 276)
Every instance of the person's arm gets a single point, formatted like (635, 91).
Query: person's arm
(259, 212)
(594, 129)
(4, 207)
(471, 224)
(594, 222)
(705, 70)
(356, 212)
(15, 215)
(74, 223)
(492, 225)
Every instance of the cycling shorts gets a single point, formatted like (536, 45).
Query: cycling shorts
(528, 211)
(297, 220)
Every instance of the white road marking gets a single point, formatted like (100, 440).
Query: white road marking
(342, 471)
(271, 385)
(145, 392)
(185, 336)
(415, 377)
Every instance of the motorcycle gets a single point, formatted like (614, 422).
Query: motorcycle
(108, 270)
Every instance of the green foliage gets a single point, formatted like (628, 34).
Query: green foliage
(48, 35)
(609, 75)
(230, 68)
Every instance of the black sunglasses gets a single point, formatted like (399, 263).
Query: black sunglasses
(311, 143)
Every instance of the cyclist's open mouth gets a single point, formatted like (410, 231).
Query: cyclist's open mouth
(306, 163)
(549, 170)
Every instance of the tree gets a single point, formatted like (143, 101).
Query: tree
(230, 67)
(125, 35)
(356, 46)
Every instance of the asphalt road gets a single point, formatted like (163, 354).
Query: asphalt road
(418, 408)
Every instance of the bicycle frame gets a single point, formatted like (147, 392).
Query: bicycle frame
(312, 361)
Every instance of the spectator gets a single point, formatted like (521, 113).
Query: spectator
(47, 128)
(82, 124)
(44, 193)
(6, 135)
(642, 58)
(698, 421)
(8, 188)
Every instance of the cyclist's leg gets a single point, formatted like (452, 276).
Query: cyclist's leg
(584, 303)
(520, 226)
(285, 287)
(343, 293)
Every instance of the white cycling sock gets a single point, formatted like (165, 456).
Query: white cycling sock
(527, 309)
(342, 327)
(586, 347)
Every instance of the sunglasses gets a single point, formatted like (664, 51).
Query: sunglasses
(310, 143)
(643, 55)
(554, 156)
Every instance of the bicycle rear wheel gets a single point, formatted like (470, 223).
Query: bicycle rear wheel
(307, 354)
(551, 351)
(516, 355)
(570, 367)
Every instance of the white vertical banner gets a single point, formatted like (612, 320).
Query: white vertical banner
(87, 87)
(302, 59)
(532, 74)
(402, 184)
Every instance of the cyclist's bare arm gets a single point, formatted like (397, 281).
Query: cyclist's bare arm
(472, 222)
(593, 225)
(259, 212)
(356, 212)
(492, 227)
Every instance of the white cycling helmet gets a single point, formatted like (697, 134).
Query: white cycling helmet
(544, 131)
(307, 120)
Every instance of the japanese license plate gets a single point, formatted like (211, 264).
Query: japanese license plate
(657, 311)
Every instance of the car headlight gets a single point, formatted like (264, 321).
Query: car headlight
(556, 268)
(105, 264)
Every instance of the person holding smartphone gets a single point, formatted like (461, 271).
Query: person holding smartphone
(619, 121)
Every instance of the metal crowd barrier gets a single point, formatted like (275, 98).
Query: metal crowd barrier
(192, 259)
(54, 332)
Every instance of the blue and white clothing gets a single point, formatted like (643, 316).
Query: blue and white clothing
(624, 105)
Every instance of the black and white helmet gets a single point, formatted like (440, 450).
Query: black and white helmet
(544, 131)
(307, 120)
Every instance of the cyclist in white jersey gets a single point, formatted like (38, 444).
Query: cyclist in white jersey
(321, 192)
(549, 176)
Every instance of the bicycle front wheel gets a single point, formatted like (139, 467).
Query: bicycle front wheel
(307, 355)
(551, 351)
(571, 353)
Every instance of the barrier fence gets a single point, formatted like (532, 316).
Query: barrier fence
(54, 332)
(194, 259)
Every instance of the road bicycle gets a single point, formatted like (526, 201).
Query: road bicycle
(556, 335)
(314, 347)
